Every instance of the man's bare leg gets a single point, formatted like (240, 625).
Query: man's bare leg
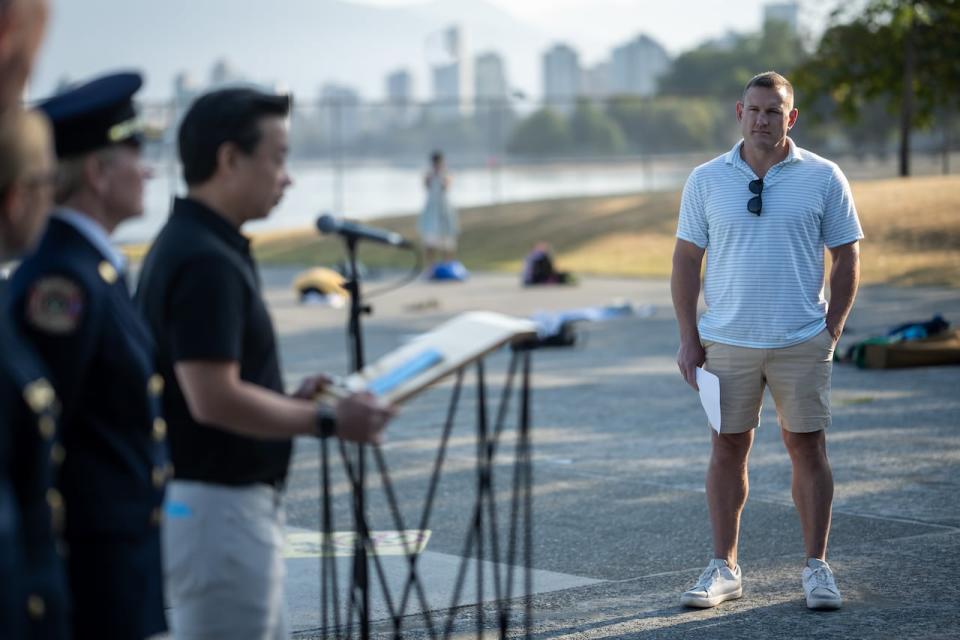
(812, 488)
(727, 488)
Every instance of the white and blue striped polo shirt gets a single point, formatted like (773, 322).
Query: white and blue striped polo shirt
(764, 280)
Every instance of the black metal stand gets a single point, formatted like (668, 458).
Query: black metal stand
(360, 584)
(483, 521)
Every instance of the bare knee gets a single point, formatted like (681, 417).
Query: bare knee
(806, 448)
(732, 449)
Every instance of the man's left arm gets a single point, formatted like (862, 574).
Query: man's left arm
(844, 281)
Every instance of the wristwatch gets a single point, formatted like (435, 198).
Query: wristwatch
(326, 421)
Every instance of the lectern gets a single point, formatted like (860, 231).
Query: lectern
(457, 348)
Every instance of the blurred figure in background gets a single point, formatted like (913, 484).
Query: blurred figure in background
(22, 26)
(27, 174)
(33, 589)
(438, 224)
(33, 601)
(539, 268)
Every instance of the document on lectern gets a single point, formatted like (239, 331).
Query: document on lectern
(403, 373)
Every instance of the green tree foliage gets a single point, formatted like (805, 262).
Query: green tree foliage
(628, 124)
(721, 70)
(661, 125)
(543, 133)
(593, 131)
(903, 53)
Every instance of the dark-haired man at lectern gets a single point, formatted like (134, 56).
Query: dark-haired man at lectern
(231, 424)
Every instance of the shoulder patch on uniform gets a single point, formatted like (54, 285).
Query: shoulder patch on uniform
(55, 305)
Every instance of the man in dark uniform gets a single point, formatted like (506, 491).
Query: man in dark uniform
(33, 602)
(33, 589)
(231, 424)
(71, 302)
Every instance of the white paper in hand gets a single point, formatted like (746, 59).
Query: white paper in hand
(710, 396)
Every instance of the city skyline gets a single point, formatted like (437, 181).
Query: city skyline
(520, 47)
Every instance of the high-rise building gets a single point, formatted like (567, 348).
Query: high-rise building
(400, 107)
(636, 66)
(222, 73)
(400, 87)
(561, 77)
(340, 115)
(453, 77)
(596, 80)
(185, 90)
(786, 12)
(491, 77)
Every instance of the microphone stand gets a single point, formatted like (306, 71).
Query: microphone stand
(360, 583)
(360, 586)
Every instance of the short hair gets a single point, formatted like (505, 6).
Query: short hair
(69, 178)
(23, 135)
(436, 156)
(226, 115)
(72, 172)
(769, 80)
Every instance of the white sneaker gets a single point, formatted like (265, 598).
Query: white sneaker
(819, 586)
(718, 583)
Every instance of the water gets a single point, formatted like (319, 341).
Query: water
(371, 191)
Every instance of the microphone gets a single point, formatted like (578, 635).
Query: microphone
(328, 223)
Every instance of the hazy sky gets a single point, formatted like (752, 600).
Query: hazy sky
(679, 24)
(302, 44)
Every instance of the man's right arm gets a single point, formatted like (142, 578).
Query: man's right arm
(203, 331)
(217, 396)
(685, 289)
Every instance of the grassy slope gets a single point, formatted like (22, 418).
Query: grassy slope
(912, 228)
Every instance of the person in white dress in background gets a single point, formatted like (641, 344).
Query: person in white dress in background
(438, 225)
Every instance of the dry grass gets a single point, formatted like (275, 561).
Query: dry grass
(912, 228)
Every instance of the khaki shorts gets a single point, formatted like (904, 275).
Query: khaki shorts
(798, 377)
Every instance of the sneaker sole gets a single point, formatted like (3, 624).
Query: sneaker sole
(824, 605)
(708, 603)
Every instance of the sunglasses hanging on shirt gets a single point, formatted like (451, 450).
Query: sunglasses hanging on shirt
(755, 204)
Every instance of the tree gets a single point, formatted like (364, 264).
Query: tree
(904, 53)
(543, 133)
(720, 70)
(592, 130)
(671, 124)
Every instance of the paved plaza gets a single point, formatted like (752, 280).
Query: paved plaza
(620, 448)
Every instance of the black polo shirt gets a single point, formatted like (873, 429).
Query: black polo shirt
(200, 292)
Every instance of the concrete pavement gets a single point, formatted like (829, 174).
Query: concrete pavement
(620, 448)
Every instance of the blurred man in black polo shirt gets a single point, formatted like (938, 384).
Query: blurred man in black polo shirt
(230, 423)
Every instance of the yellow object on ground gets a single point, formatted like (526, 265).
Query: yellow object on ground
(320, 280)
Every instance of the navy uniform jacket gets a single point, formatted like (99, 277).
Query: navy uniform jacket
(32, 580)
(75, 309)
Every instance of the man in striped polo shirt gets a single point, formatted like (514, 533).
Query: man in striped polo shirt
(762, 213)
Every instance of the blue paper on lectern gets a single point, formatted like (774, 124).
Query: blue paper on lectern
(407, 370)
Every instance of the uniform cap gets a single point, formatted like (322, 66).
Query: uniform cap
(96, 114)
